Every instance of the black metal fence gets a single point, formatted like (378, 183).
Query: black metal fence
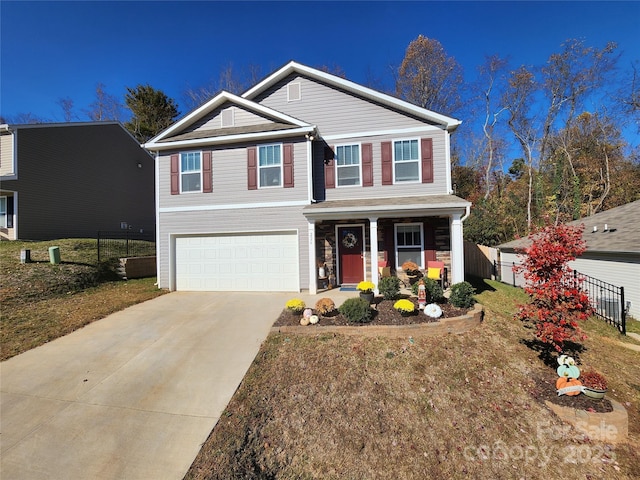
(607, 300)
(124, 243)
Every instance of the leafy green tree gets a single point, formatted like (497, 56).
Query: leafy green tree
(152, 111)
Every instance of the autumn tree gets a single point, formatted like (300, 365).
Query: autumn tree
(557, 301)
(152, 111)
(429, 77)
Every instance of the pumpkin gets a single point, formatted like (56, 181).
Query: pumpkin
(564, 382)
(304, 321)
(568, 371)
(313, 319)
(307, 313)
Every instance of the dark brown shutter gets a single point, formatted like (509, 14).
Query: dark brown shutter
(387, 163)
(427, 160)
(207, 178)
(252, 168)
(329, 169)
(175, 174)
(367, 165)
(288, 165)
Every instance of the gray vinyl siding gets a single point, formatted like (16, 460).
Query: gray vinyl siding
(6, 155)
(229, 165)
(210, 222)
(622, 270)
(77, 180)
(241, 117)
(333, 110)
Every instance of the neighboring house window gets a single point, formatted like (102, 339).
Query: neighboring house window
(3, 212)
(190, 172)
(409, 244)
(348, 165)
(406, 161)
(270, 166)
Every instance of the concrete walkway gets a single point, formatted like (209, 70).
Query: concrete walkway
(132, 396)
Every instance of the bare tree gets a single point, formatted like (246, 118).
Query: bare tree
(105, 106)
(429, 77)
(66, 104)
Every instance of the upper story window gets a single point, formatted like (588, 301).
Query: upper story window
(270, 166)
(348, 165)
(406, 161)
(409, 243)
(190, 172)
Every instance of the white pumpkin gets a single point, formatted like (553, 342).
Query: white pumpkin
(313, 319)
(307, 313)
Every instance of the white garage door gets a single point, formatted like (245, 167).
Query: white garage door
(252, 262)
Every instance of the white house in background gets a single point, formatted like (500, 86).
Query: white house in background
(613, 252)
(305, 169)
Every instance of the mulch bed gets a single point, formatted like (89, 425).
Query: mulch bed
(383, 314)
(544, 388)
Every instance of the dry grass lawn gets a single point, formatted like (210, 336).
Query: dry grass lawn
(444, 407)
(40, 302)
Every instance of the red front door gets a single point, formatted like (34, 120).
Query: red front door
(350, 251)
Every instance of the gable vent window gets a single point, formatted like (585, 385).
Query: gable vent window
(227, 117)
(293, 92)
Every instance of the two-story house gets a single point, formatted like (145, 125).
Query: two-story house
(304, 170)
(70, 180)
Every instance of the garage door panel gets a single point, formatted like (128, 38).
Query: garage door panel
(259, 262)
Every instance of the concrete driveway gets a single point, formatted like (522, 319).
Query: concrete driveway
(132, 396)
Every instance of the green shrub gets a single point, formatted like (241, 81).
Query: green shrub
(356, 310)
(433, 288)
(389, 287)
(462, 295)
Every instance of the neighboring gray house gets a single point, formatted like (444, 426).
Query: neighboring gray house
(304, 170)
(613, 251)
(72, 180)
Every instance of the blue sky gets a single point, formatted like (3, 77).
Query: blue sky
(51, 50)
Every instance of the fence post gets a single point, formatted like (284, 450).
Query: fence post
(98, 247)
(624, 312)
(513, 271)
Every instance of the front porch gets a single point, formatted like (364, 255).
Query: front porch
(354, 240)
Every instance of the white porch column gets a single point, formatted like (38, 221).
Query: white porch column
(373, 240)
(457, 249)
(313, 274)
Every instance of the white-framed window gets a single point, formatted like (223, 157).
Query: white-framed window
(270, 166)
(348, 165)
(406, 161)
(409, 243)
(3, 212)
(190, 172)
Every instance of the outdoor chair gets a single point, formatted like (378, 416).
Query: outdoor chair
(436, 271)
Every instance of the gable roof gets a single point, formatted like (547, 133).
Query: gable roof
(622, 234)
(282, 125)
(448, 123)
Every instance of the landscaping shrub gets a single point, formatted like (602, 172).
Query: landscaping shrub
(356, 310)
(325, 306)
(389, 287)
(433, 288)
(462, 295)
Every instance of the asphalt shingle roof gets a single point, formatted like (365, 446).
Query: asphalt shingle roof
(622, 234)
